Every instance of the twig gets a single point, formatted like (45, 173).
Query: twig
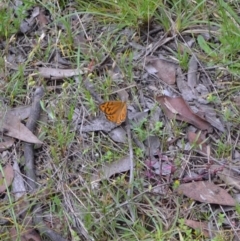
(30, 173)
(28, 147)
(236, 169)
(131, 178)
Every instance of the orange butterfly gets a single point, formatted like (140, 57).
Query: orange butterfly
(115, 111)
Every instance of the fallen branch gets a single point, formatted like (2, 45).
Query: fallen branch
(28, 147)
(30, 171)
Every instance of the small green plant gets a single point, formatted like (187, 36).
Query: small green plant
(196, 144)
(90, 103)
(15, 88)
(185, 231)
(208, 48)
(223, 236)
(228, 114)
(180, 15)
(238, 208)
(183, 59)
(63, 134)
(220, 219)
(10, 18)
(157, 130)
(8, 23)
(108, 156)
(223, 149)
(126, 13)
(178, 160)
(230, 33)
(138, 152)
(176, 184)
(212, 98)
(140, 130)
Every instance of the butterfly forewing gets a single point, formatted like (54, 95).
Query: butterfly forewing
(110, 107)
(115, 111)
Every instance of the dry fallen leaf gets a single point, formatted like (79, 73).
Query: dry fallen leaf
(29, 234)
(22, 112)
(28, 24)
(186, 91)
(106, 171)
(176, 108)
(6, 143)
(13, 127)
(152, 144)
(158, 167)
(227, 176)
(198, 139)
(137, 117)
(192, 72)
(206, 192)
(18, 184)
(42, 19)
(201, 226)
(211, 117)
(118, 135)
(98, 125)
(166, 70)
(8, 175)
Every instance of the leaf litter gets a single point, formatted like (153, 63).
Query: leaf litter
(198, 226)
(108, 170)
(164, 70)
(13, 127)
(176, 108)
(159, 151)
(206, 192)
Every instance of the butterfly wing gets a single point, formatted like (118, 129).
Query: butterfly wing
(115, 111)
(122, 115)
(110, 107)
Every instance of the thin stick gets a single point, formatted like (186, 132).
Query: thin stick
(131, 178)
(128, 87)
(30, 169)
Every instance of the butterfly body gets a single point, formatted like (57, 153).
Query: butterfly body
(115, 111)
